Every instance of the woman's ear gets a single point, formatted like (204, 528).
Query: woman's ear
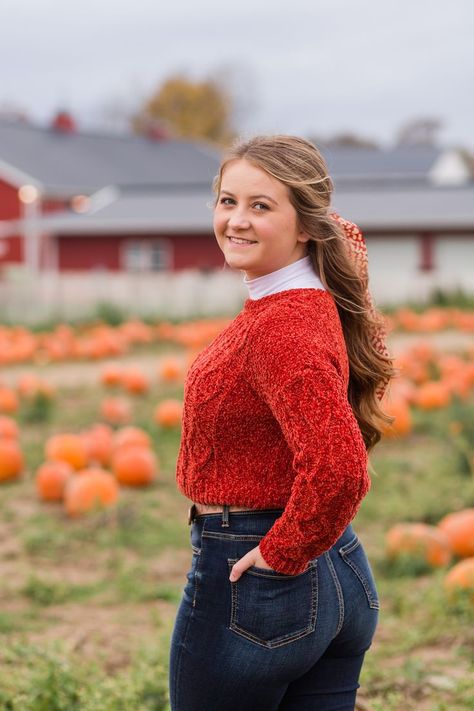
(303, 236)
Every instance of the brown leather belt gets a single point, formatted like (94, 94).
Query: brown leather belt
(200, 509)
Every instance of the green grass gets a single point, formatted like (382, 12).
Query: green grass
(88, 604)
(455, 298)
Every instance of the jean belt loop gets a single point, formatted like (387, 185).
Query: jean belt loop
(191, 513)
(225, 516)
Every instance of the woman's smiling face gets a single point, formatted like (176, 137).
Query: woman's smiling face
(254, 206)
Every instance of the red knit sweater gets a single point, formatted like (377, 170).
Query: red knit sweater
(267, 424)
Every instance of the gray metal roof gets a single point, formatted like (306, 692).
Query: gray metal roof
(67, 164)
(190, 211)
(126, 211)
(417, 208)
(411, 162)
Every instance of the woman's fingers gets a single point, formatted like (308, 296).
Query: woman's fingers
(253, 557)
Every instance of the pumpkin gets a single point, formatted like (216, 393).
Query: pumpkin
(419, 542)
(116, 410)
(136, 331)
(8, 428)
(165, 330)
(170, 369)
(460, 579)
(128, 436)
(397, 407)
(432, 395)
(11, 459)
(459, 528)
(111, 375)
(98, 441)
(134, 465)
(94, 488)
(67, 447)
(407, 319)
(51, 479)
(168, 413)
(8, 400)
(135, 381)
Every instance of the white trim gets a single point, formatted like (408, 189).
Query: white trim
(102, 198)
(16, 177)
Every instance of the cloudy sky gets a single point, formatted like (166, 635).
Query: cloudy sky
(314, 67)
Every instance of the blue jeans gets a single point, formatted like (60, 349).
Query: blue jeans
(269, 640)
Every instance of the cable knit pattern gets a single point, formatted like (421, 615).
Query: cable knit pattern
(267, 424)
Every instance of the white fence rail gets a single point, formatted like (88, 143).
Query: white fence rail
(75, 295)
(184, 294)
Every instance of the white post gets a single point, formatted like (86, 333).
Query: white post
(29, 196)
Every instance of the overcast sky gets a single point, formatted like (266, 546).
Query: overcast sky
(313, 67)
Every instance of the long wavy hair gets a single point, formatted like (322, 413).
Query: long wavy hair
(299, 165)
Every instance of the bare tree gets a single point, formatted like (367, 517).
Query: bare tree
(419, 132)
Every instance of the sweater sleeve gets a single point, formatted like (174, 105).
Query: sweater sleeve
(356, 243)
(329, 454)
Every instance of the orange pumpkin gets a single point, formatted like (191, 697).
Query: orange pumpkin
(134, 465)
(94, 488)
(432, 395)
(170, 369)
(419, 542)
(8, 400)
(407, 319)
(111, 375)
(98, 441)
(165, 330)
(397, 407)
(135, 382)
(116, 410)
(8, 428)
(51, 479)
(130, 436)
(460, 579)
(67, 447)
(459, 528)
(168, 413)
(11, 459)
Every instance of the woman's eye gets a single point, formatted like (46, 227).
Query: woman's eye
(223, 200)
(262, 205)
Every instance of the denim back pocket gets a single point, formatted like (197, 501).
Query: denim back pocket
(354, 555)
(272, 608)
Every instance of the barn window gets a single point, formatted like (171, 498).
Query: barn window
(146, 255)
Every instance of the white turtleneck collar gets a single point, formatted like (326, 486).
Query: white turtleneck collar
(298, 275)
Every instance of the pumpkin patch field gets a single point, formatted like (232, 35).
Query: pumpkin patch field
(94, 540)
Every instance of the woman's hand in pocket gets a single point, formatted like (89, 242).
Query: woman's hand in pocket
(253, 557)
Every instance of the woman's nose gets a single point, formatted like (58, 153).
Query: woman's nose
(239, 220)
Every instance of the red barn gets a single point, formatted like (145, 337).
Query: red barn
(60, 171)
(81, 202)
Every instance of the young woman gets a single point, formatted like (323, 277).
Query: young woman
(280, 412)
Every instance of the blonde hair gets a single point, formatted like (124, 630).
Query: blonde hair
(299, 165)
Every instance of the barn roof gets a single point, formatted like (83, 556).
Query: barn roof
(415, 161)
(64, 164)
